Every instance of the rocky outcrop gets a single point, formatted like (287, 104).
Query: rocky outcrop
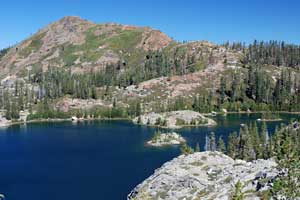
(206, 175)
(174, 119)
(4, 122)
(162, 139)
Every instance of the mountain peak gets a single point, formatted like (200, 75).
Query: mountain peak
(73, 41)
(73, 19)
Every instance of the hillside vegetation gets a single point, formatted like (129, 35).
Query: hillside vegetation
(137, 69)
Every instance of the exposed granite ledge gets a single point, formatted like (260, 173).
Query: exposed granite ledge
(206, 175)
(174, 119)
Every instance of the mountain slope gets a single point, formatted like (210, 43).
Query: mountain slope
(82, 45)
(80, 59)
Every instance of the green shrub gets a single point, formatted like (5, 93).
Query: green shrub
(180, 122)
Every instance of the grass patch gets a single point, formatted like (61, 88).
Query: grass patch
(125, 40)
(198, 66)
(180, 122)
(203, 158)
(197, 163)
(22, 73)
(115, 40)
(35, 44)
(68, 55)
(212, 154)
(228, 179)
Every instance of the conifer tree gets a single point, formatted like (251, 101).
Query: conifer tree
(14, 110)
(238, 193)
(221, 145)
(255, 138)
(197, 149)
(212, 142)
(232, 149)
(222, 90)
(185, 149)
(263, 141)
(246, 147)
(207, 143)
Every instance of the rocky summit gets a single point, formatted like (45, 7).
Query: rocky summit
(206, 175)
(82, 44)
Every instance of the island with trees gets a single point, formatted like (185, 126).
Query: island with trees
(269, 116)
(165, 138)
(174, 119)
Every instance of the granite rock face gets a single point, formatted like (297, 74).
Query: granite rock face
(175, 119)
(206, 175)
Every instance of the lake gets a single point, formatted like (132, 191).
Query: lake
(97, 160)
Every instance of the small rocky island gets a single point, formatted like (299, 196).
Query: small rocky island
(206, 175)
(162, 139)
(174, 119)
(270, 117)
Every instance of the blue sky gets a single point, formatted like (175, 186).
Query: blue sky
(213, 20)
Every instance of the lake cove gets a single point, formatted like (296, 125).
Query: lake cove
(93, 159)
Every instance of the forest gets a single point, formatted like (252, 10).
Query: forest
(250, 88)
(277, 53)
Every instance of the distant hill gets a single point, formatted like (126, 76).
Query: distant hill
(85, 46)
(75, 42)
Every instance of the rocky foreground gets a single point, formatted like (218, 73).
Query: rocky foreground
(206, 175)
(174, 119)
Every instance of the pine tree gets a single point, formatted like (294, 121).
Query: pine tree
(263, 141)
(222, 90)
(221, 145)
(185, 149)
(14, 110)
(138, 109)
(233, 142)
(255, 138)
(197, 149)
(212, 142)
(238, 194)
(246, 147)
(207, 143)
(94, 93)
(20, 102)
(286, 145)
(235, 87)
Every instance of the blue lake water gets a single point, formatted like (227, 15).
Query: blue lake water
(99, 160)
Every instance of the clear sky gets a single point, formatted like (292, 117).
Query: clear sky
(214, 20)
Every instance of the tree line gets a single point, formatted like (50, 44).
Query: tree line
(277, 53)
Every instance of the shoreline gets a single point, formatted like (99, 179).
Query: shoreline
(61, 120)
(271, 120)
(129, 119)
(256, 112)
(177, 128)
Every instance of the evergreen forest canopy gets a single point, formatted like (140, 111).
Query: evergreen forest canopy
(249, 88)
